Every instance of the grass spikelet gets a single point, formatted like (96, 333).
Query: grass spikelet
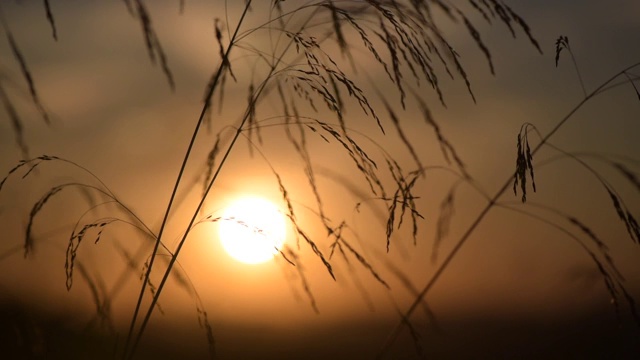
(612, 278)
(401, 134)
(614, 287)
(478, 40)
(300, 148)
(320, 67)
(39, 160)
(455, 57)
(614, 291)
(314, 248)
(364, 262)
(432, 48)
(444, 221)
(392, 47)
(365, 165)
(609, 283)
(405, 198)
(26, 73)
(284, 256)
(391, 218)
(561, 43)
(524, 26)
(365, 39)
(285, 197)
(221, 73)
(482, 11)
(152, 288)
(339, 103)
(621, 209)
(154, 48)
(632, 306)
(626, 217)
(524, 162)
(303, 280)
(211, 161)
(586, 230)
(408, 203)
(28, 241)
(74, 243)
(21, 163)
(203, 322)
(302, 92)
(602, 247)
(16, 123)
(633, 225)
(354, 277)
(47, 8)
(217, 25)
(448, 151)
(337, 27)
(34, 163)
(251, 108)
(147, 30)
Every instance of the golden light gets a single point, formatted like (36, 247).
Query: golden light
(252, 230)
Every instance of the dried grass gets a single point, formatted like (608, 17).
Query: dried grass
(613, 280)
(404, 198)
(404, 41)
(50, 19)
(446, 213)
(563, 43)
(524, 157)
(524, 162)
(152, 43)
(24, 69)
(295, 259)
(16, 123)
(622, 210)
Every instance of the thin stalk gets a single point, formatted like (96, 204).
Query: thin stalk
(239, 130)
(491, 203)
(205, 107)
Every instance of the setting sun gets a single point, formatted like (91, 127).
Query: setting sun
(252, 230)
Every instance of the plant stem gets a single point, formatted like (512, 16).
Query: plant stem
(174, 256)
(491, 203)
(205, 107)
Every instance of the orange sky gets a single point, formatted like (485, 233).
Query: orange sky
(113, 113)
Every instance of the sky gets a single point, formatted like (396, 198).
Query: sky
(518, 288)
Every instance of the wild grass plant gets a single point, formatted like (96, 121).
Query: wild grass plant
(297, 64)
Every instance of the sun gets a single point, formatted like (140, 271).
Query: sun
(252, 230)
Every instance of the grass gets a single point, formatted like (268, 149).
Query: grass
(302, 71)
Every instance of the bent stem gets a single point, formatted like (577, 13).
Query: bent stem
(490, 205)
(223, 65)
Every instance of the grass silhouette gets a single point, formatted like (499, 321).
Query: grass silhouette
(302, 71)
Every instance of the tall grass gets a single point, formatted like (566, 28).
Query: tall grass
(303, 68)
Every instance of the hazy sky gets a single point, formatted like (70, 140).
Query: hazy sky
(113, 113)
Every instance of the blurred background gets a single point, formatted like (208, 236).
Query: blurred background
(519, 288)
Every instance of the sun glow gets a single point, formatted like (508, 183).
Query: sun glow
(252, 230)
